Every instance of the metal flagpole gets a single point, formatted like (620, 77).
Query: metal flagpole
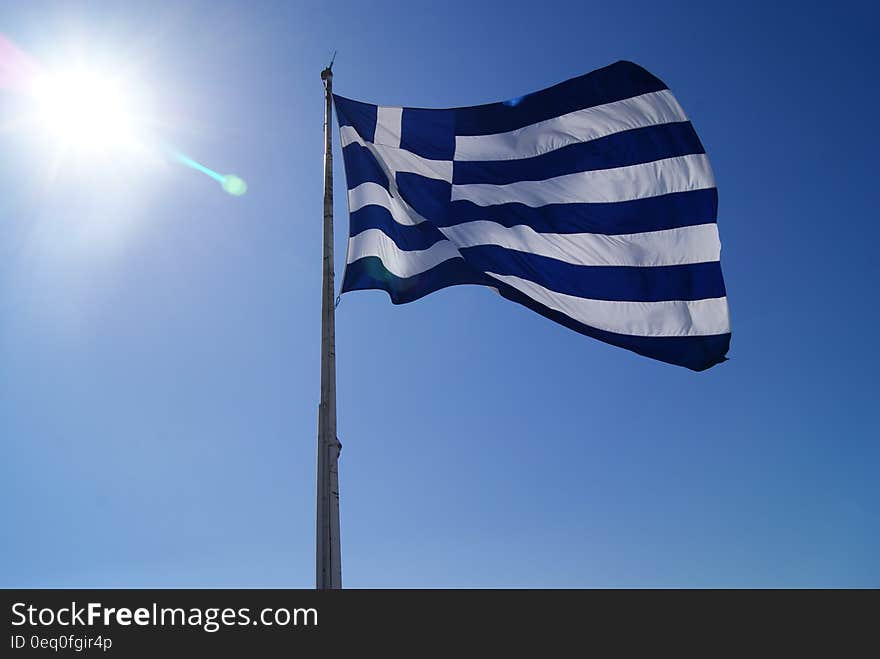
(327, 555)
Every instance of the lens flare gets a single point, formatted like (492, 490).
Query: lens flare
(17, 68)
(230, 183)
(234, 185)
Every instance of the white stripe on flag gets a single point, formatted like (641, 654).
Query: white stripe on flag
(373, 242)
(579, 126)
(373, 194)
(698, 244)
(694, 244)
(651, 179)
(675, 318)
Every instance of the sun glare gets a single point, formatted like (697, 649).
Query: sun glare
(85, 110)
(92, 117)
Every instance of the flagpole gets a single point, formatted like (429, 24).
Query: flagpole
(327, 555)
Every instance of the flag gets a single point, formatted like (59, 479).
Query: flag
(591, 202)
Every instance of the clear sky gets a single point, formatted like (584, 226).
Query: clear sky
(159, 339)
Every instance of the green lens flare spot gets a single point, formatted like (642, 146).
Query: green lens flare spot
(234, 185)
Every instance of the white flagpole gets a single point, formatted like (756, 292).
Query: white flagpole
(327, 555)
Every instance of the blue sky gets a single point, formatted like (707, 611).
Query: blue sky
(159, 339)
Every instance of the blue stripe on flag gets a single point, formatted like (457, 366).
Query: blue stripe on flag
(612, 83)
(671, 211)
(361, 166)
(369, 273)
(408, 237)
(360, 116)
(695, 281)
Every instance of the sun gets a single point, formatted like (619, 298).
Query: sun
(86, 110)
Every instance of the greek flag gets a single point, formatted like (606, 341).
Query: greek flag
(592, 203)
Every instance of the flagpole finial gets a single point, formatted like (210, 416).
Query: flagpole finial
(328, 72)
